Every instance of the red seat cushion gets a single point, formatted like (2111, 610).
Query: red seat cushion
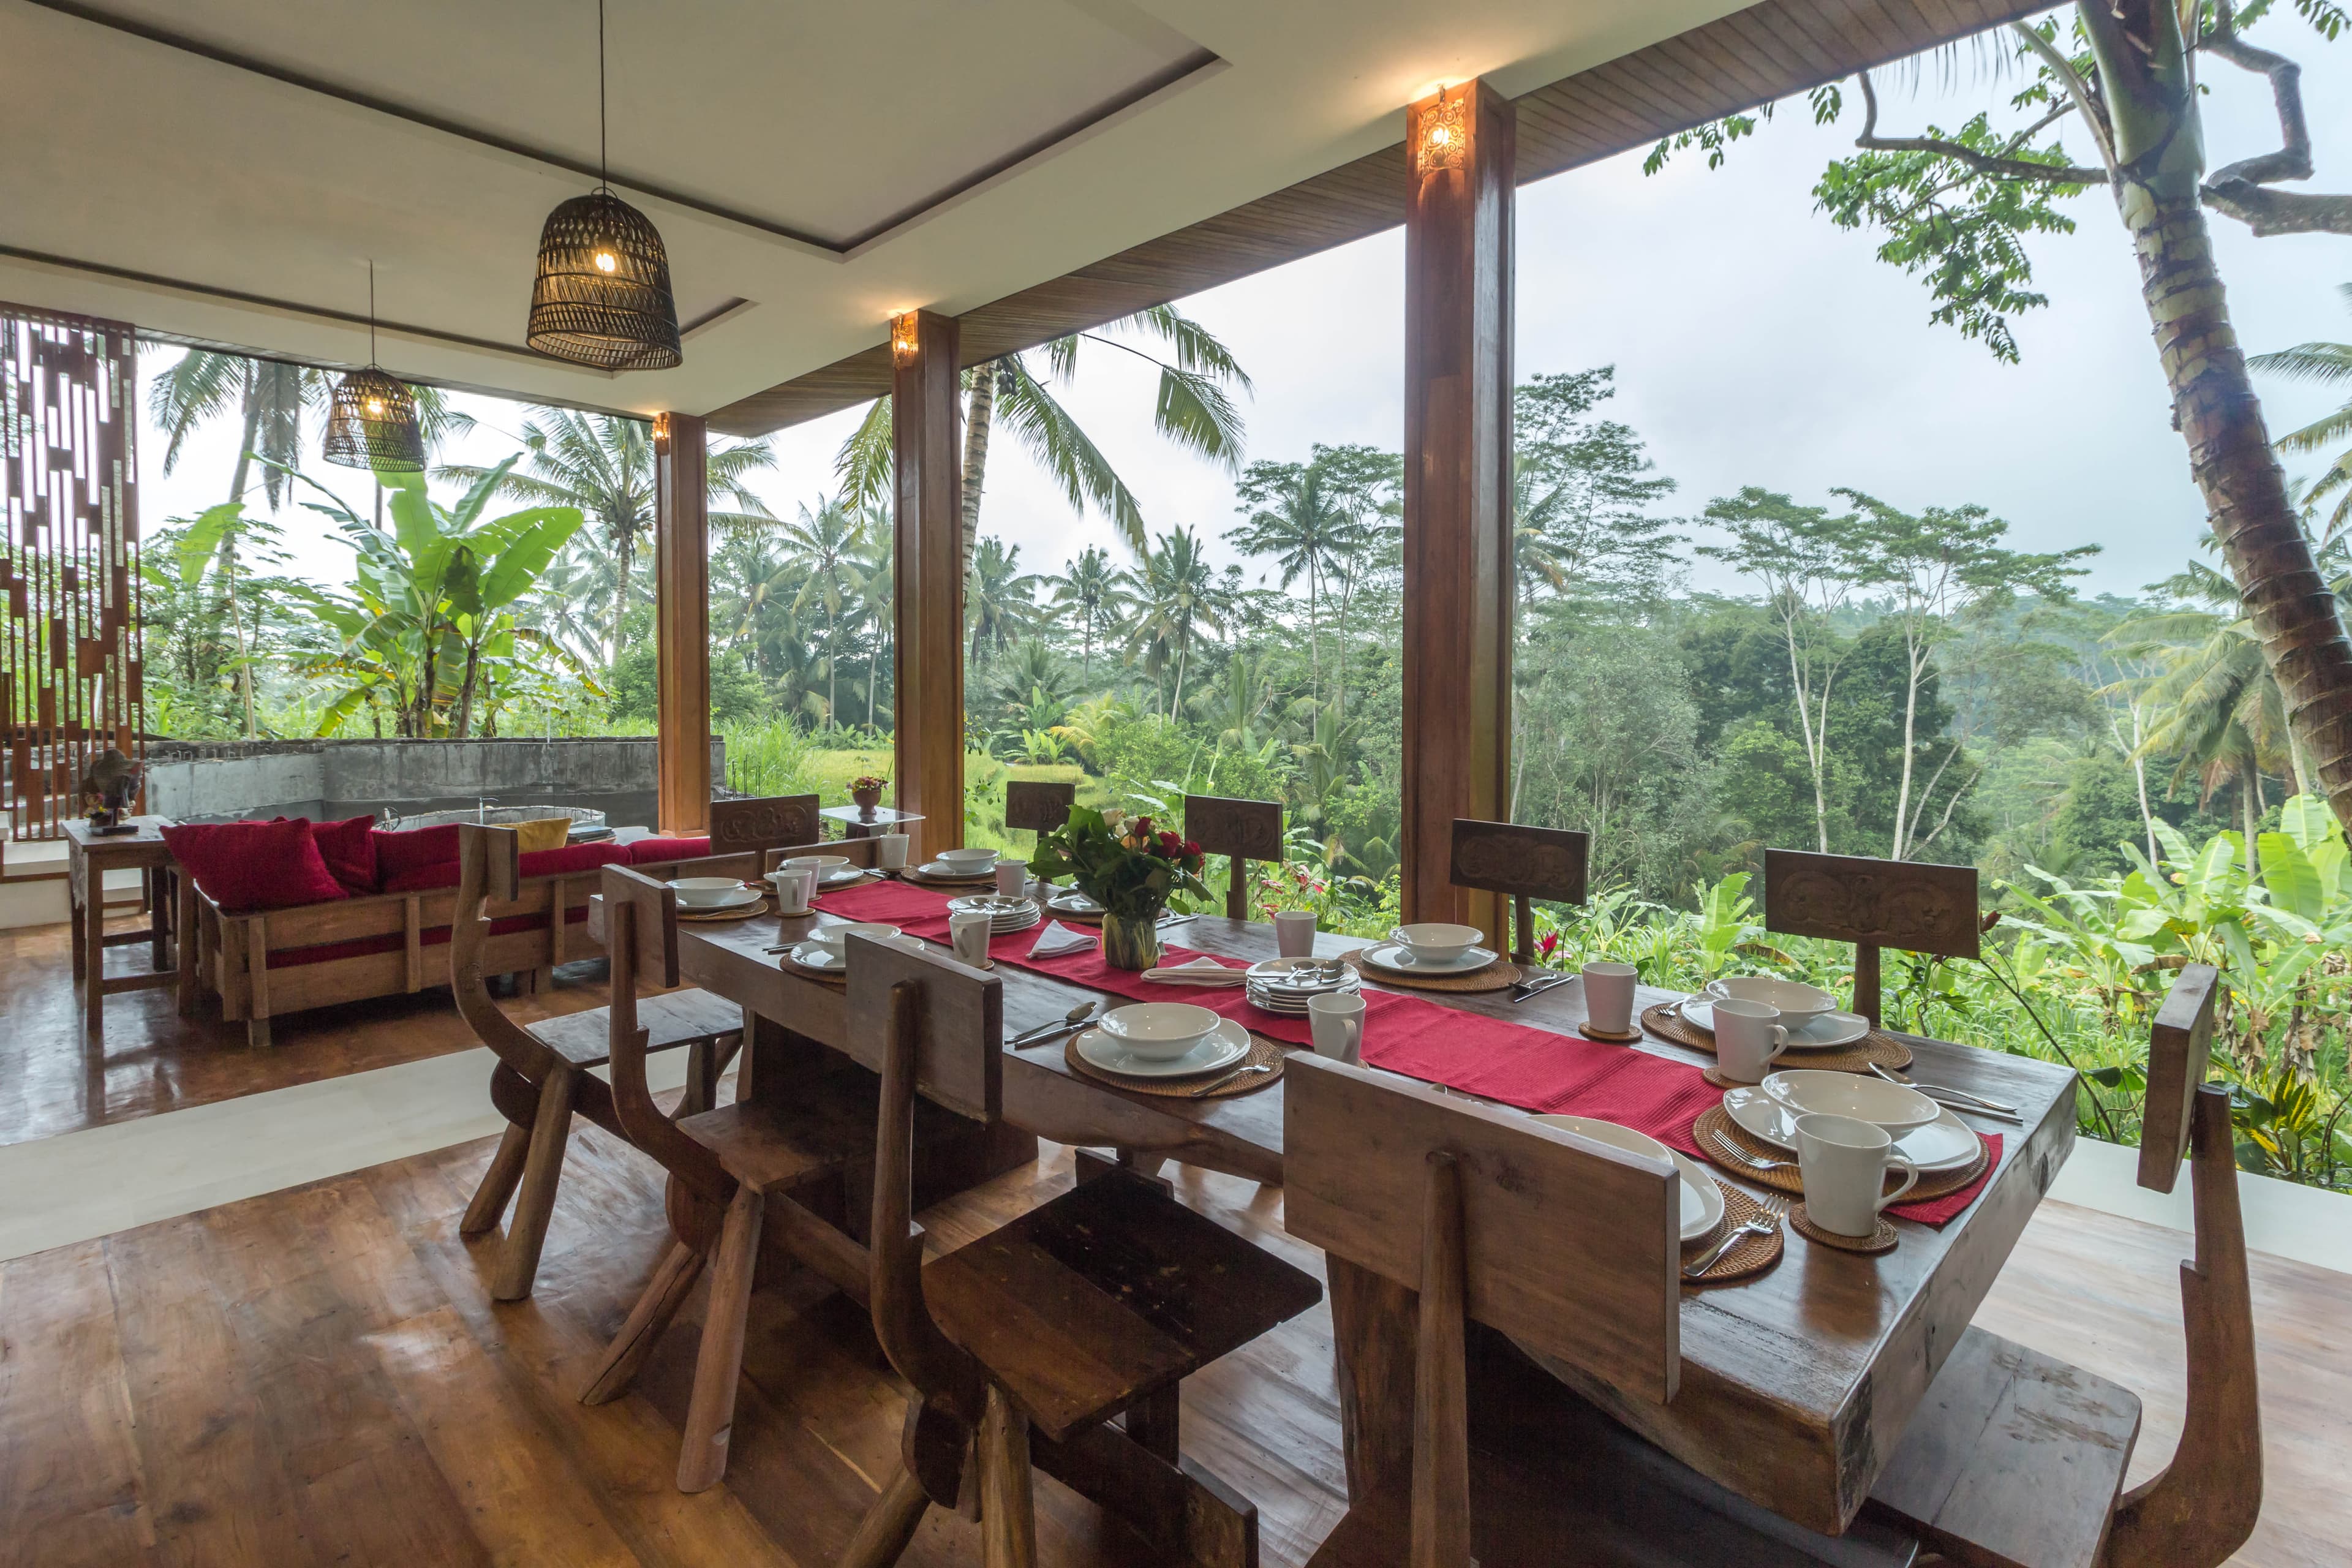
(432, 936)
(349, 849)
(645, 849)
(248, 866)
(399, 854)
(567, 861)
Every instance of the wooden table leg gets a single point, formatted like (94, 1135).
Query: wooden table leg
(93, 943)
(158, 922)
(76, 903)
(188, 943)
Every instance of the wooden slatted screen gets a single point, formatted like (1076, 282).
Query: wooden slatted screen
(69, 668)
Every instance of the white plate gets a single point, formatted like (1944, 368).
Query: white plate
(1702, 1200)
(740, 899)
(1824, 1033)
(815, 956)
(1291, 1006)
(1227, 1044)
(941, 869)
(847, 874)
(1070, 901)
(1944, 1144)
(1392, 955)
(1297, 975)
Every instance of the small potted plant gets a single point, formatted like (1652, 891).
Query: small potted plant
(1128, 867)
(866, 791)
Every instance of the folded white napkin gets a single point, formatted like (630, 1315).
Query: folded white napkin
(1057, 938)
(1200, 972)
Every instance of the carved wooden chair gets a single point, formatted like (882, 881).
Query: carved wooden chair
(1527, 863)
(543, 1076)
(737, 1174)
(1903, 904)
(1569, 1247)
(1244, 829)
(1085, 1311)
(759, 826)
(1038, 805)
(2016, 1459)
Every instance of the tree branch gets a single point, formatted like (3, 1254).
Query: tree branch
(2238, 190)
(2078, 90)
(1983, 164)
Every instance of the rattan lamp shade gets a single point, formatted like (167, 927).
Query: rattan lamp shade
(602, 296)
(372, 425)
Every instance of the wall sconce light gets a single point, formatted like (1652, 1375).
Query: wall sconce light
(1442, 133)
(904, 346)
(661, 434)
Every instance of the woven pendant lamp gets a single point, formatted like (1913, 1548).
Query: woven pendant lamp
(602, 297)
(372, 421)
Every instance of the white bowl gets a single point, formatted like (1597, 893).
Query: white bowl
(1799, 1004)
(1812, 1092)
(823, 865)
(967, 859)
(836, 938)
(1159, 1031)
(703, 892)
(1437, 942)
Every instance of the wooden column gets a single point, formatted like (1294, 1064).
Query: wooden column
(682, 620)
(1460, 147)
(927, 655)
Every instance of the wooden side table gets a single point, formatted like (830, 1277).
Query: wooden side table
(90, 855)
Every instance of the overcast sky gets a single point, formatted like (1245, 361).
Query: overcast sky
(1754, 344)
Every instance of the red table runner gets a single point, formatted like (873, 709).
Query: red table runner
(1533, 1069)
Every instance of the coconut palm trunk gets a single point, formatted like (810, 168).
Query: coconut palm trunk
(980, 415)
(2158, 159)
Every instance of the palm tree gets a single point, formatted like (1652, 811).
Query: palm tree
(1088, 590)
(999, 600)
(875, 565)
(1176, 591)
(2330, 364)
(564, 603)
(1195, 410)
(604, 464)
(1238, 702)
(823, 546)
(1301, 524)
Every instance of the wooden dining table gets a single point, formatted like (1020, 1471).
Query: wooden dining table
(1796, 1384)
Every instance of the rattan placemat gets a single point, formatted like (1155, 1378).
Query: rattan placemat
(1263, 1052)
(1499, 975)
(1875, 1046)
(1753, 1255)
(1882, 1240)
(926, 879)
(829, 976)
(1714, 1130)
(721, 916)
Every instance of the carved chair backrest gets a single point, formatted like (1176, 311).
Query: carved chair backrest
(1039, 806)
(490, 869)
(2179, 1047)
(1908, 905)
(755, 825)
(1527, 863)
(641, 940)
(1245, 829)
(961, 1060)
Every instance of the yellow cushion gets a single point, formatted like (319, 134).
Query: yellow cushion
(542, 833)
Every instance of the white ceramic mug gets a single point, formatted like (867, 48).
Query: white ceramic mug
(1294, 932)
(1845, 1163)
(1012, 880)
(1336, 1020)
(794, 887)
(1748, 1038)
(890, 851)
(968, 933)
(1609, 996)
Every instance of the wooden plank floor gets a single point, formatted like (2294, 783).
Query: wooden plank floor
(319, 1376)
(153, 1060)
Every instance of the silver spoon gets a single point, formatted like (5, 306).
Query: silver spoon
(1076, 1015)
(1993, 1106)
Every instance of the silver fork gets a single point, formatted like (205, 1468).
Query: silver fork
(1220, 1082)
(1994, 1106)
(1761, 1226)
(1727, 1146)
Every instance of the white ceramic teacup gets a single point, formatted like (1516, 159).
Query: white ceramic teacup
(703, 892)
(1434, 942)
(1159, 1031)
(968, 933)
(1012, 880)
(890, 851)
(835, 939)
(1609, 996)
(794, 887)
(1748, 1038)
(819, 866)
(1844, 1164)
(1335, 1021)
(1294, 932)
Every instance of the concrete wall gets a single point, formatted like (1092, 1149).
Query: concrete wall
(347, 777)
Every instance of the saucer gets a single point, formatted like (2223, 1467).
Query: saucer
(940, 871)
(1944, 1144)
(1392, 955)
(1072, 902)
(1827, 1032)
(1702, 1200)
(1227, 1044)
(815, 955)
(844, 876)
(740, 899)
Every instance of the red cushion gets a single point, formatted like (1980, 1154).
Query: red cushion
(247, 865)
(349, 849)
(422, 878)
(398, 854)
(574, 858)
(645, 849)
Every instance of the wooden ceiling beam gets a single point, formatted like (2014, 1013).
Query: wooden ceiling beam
(1753, 56)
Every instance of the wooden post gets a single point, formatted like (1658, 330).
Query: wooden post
(682, 621)
(927, 652)
(1459, 592)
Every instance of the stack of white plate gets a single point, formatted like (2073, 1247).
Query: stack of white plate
(1288, 984)
(1071, 901)
(1003, 914)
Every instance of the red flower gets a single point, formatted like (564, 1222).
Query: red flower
(1192, 850)
(1547, 942)
(1139, 826)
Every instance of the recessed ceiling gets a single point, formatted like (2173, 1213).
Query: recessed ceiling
(223, 170)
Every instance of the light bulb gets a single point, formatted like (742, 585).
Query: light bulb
(375, 407)
(606, 262)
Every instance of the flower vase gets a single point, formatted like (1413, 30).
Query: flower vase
(866, 801)
(1130, 942)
